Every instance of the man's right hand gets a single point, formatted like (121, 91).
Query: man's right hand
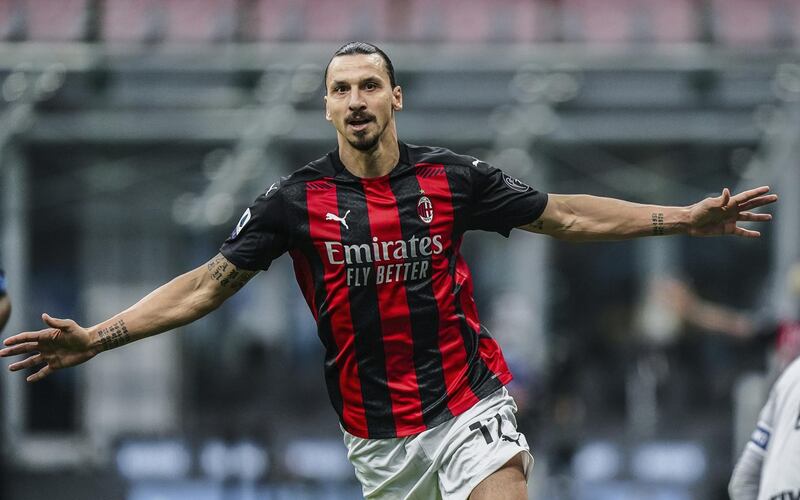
(186, 298)
(64, 344)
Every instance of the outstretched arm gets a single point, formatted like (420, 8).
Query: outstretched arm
(593, 218)
(746, 478)
(184, 299)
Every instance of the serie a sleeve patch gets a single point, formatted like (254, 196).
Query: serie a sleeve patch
(761, 436)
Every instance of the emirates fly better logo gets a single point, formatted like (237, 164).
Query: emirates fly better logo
(425, 208)
(379, 262)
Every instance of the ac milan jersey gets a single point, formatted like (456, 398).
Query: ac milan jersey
(378, 262)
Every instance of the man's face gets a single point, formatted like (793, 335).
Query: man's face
(360, 101)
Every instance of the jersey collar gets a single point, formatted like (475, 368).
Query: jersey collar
(340, 172)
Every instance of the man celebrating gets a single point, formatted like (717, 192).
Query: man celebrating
(374, 231)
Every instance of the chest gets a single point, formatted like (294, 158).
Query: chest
(399, 218)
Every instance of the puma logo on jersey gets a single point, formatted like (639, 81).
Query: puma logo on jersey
(330, 216)
(476, 162)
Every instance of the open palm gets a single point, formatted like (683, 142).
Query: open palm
(63, 344)
(721, 214)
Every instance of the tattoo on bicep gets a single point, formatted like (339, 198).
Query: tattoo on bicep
(657, 218)
(228, 275)
(113, 336)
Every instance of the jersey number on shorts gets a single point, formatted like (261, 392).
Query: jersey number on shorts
(488, 435)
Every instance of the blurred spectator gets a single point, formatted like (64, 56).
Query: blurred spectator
(678, 305)
(5, 302)
(787, 342)
(685, 307)
(683, 358)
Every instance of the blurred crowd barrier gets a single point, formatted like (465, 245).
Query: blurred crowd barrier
(730, 22)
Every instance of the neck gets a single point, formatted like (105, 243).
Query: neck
(375, 162)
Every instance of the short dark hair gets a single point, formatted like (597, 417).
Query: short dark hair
(352, 48)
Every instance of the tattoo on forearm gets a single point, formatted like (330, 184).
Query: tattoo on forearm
(228, 275)
(114, 336)
(658, 223)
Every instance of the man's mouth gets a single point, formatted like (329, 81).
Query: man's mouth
(359, 123)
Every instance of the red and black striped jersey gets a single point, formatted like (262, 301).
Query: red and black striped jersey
(378, 262)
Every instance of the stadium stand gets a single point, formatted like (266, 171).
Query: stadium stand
(737, 23)
(64, 20)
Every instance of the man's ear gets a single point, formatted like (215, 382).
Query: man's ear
(327, 112)
(397, 98)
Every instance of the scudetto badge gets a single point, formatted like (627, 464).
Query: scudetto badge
(425, 209)
(515, 184)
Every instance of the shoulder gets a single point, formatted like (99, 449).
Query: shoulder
(790, 378)
(318, 169)
(293, 183)
(441, 156)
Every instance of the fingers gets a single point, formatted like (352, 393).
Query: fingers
(19, 349)
(725, 198)
(56, 322)
(758, 202)
(746, 233)
(28, 337)
(752, 217)
(29, 362)
(752, 193)
(45, 371)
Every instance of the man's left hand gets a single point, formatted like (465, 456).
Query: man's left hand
(720, 215)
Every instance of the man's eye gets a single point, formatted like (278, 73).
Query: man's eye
(339, 90)
(370, 86)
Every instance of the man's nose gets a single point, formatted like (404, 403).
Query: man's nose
(356, 100)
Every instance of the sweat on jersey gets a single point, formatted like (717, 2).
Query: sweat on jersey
(379, 265)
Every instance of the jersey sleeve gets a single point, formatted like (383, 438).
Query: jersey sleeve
(500, 202)
(746, 478)
(760, 439)
(261, 234)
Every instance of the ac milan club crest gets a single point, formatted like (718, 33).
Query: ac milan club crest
(425, 209)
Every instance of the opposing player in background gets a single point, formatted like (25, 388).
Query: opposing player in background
(5, 302)
(374, 230)
(769, 467)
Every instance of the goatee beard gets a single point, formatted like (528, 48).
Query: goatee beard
(365, 143)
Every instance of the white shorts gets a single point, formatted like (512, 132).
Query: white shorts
(445, 462)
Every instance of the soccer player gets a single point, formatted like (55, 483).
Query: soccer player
(374, 230)
(5, 302)
(769, 468)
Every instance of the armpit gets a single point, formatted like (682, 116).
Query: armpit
(536, 226)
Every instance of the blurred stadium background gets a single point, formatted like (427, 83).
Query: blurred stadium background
(134, 132)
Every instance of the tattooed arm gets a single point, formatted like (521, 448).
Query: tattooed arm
(592, 218)
(183, 300)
